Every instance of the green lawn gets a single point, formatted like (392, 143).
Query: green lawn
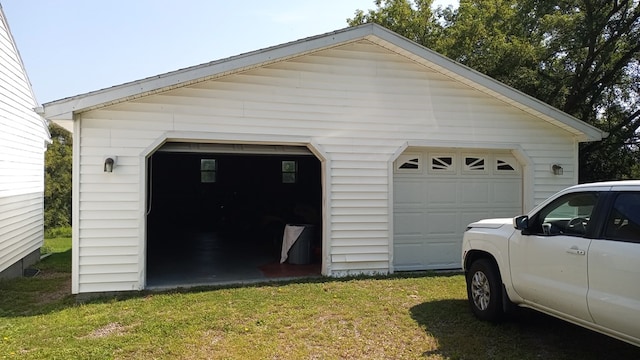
(412, 317)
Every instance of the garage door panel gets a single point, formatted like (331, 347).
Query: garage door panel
(441, 223)
(474, 192)
(441, 192)
(405, 224)
(443, 255)
(420, 256)
(413, 193)
(506, 213)
(411, 255)
(432, 208)
(507, 193)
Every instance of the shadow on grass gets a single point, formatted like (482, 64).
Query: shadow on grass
(48, 291)
(527, 334)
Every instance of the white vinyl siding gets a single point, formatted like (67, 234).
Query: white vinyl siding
(360, 103)
(22, 144)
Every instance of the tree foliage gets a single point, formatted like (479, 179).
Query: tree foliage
(581, 56)
(57, 179)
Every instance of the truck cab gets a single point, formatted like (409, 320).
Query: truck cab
(576, 256)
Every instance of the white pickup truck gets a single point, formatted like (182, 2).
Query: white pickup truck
(576, 256)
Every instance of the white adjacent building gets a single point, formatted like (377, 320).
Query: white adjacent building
(402, 148)
(23, 139)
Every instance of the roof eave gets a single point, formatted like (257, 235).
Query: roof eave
(581, 130)
(63, 109)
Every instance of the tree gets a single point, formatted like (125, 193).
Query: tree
(414, 20)
(57, 179)
(581, 56)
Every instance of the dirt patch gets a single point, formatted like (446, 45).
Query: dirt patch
(60, 292)
(107, 330)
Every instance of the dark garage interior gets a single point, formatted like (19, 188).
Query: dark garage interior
(219, 217)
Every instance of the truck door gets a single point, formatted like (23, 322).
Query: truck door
(549, 259)
(614, 268)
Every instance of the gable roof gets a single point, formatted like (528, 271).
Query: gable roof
(65, 108)
(17, 61)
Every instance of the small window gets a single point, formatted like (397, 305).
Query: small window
(208, 169)
(624, 220)
(475, 164)
(442, 164)
(409, 163)
(289, 171)
(503, 165)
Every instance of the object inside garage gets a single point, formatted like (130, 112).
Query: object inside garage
(216, 213)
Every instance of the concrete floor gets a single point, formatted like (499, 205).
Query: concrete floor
(208, 258)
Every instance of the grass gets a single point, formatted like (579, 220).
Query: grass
(421, 316)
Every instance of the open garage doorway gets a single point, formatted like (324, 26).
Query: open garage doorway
(216, 213)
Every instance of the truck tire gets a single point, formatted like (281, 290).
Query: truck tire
(484, 290)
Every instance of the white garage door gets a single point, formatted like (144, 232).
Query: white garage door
(438, 192)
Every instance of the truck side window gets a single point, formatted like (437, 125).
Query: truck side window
(623, 222)
(567, 215)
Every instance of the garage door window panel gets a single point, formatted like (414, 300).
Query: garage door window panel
(474, 165)
(442, 164)
(409, 163)
(506, 165)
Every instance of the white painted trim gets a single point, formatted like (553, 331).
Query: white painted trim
(325, 173)
(217, 147)
(390, 171)
(170, 136)
(236, 138)
(142, 228)
(461, 146)
(528, 180)
(75, 213)
(576, 161)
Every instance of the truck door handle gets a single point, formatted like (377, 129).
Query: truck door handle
(574, 250)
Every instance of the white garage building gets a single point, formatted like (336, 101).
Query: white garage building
(386, 147)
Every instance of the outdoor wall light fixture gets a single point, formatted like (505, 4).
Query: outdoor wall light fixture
(556, 169)
(109, 163)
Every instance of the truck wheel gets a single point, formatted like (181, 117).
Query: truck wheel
(484, 290)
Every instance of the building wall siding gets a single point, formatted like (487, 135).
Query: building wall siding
(359, 102)
(22, 144)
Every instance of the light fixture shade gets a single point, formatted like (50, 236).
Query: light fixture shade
(110, 163)
(556, 169)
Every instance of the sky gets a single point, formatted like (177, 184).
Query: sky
(71, 47)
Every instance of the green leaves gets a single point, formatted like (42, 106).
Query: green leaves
(414, 20)
(57, 181)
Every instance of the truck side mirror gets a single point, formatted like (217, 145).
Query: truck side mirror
(521, 222)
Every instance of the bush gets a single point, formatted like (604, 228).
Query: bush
(58, 232)
(57, 181)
